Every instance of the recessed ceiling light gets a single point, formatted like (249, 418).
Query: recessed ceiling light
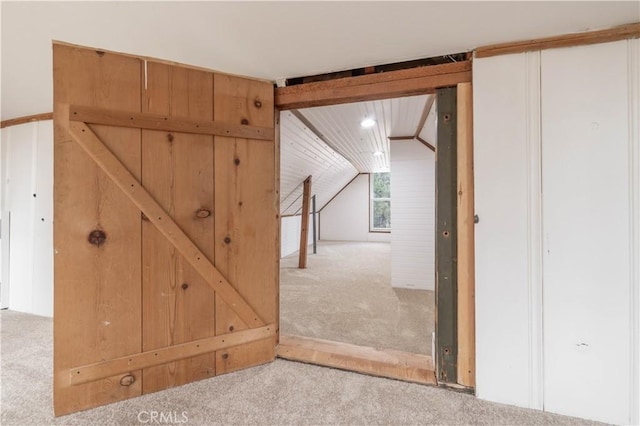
(378, 153)
(368, 122)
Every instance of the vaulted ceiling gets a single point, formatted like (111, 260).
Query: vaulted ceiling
(330, 144)
(273, 40)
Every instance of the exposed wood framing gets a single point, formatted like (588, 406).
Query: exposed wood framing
(278, 243)
(149, 121)
(592, 37)
(304, 227)
(425, 143)
(392, 84)
(383, 363)
(26, 119)
(446, 237)
(125, 364)
(338, 193)
(425, 113)
(466, 254)
(94, 147)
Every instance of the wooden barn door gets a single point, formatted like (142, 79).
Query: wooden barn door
(165, 226)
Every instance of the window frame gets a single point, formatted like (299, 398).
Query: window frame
(372, 200)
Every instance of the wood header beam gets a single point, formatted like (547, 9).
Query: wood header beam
(621, 32)
(392, 84)
(149, 121)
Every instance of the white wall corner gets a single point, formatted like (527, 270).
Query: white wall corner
(634, 197)
(534, 230)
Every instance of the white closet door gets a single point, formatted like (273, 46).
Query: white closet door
(586, 231)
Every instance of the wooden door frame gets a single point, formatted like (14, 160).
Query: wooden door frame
(455, 307)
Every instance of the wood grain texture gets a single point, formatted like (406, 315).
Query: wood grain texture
(466, 253)
(26, 119)
(165, 355)
(384, 363)
(177, 170)
(182, 122)
(386, 85)
(97, 290)
(304, 223)
(246, 215)
(110, 164)
(621, 32)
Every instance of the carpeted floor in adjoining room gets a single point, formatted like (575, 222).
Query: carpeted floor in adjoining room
(279, 393)
(345, 295)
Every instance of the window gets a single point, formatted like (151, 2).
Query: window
(380, 202)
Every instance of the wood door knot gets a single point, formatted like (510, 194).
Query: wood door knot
(170, 137)
(127, 380)
(203, 213)
(184, 286)
(244, 121)
(231, 328)
(97, 237)
(227, 240)
(225, 356)
(257, 103)
(236, 161)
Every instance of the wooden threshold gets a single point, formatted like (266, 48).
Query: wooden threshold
(361, 359)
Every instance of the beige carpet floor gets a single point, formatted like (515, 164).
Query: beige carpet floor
(279, 393)
(345, 295)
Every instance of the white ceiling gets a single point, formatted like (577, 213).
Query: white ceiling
(340, 126)
(273, 40)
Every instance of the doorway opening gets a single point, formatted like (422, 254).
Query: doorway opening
(440, 362)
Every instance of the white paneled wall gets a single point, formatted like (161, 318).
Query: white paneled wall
(346, 217)
(290, 234)
(412, 215)
(27, 237)
(557, 192)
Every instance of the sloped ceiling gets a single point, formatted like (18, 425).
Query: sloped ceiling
(273, 40)
(368, 148)
(330, 144)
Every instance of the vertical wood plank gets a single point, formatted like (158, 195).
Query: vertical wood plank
(446, 237)
(304, 227)
(465, 226)
(177, 169)
(246, 221)
(97, 289)
(276, 161)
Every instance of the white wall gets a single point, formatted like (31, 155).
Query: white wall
(557, 160)
(290, 234)
(346, 217)
(413, 215)
(27, 157)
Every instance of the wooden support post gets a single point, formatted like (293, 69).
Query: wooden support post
(304, 228)
(446, 238)
(466, 264)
